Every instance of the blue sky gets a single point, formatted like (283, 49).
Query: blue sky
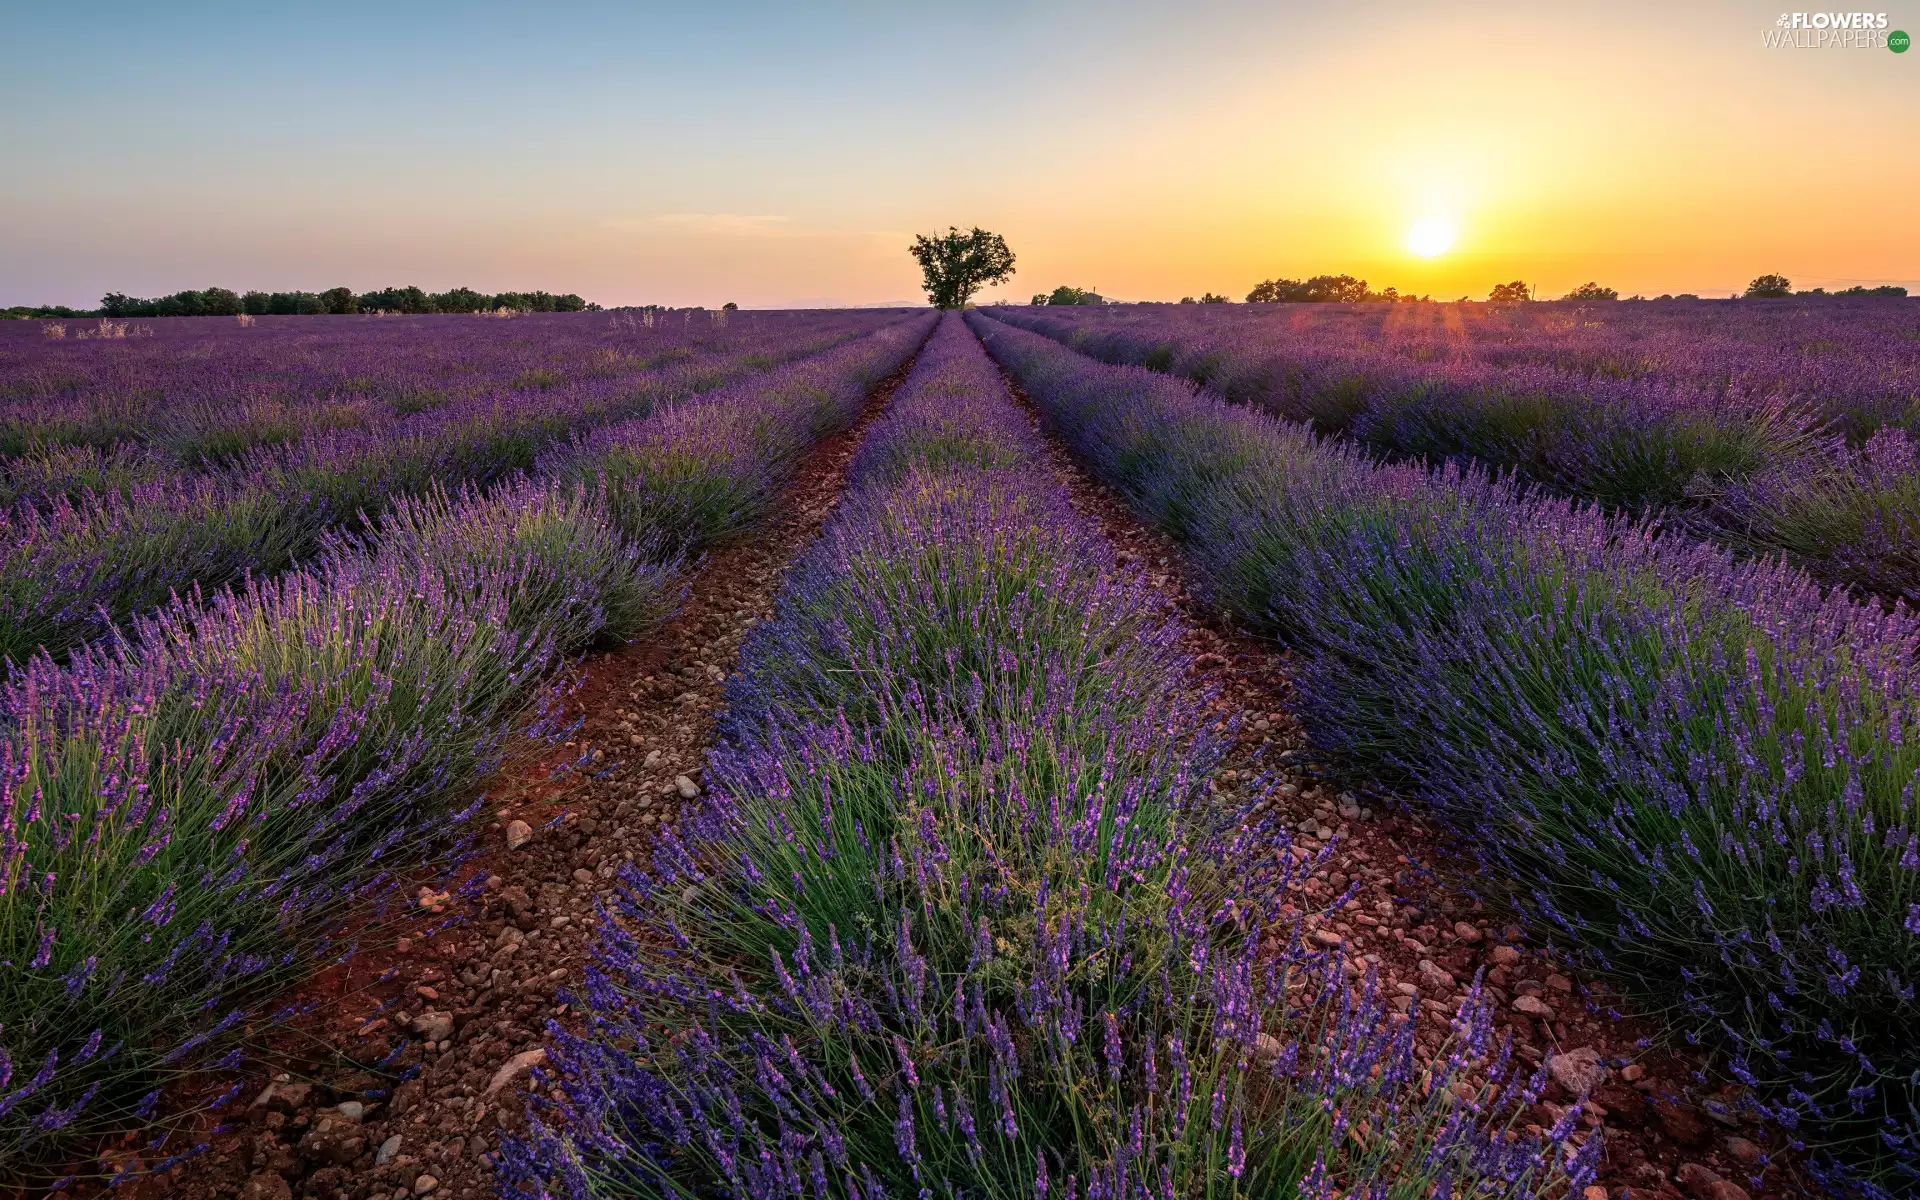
(783, 154)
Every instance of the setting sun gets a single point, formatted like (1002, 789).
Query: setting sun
(1430, 237)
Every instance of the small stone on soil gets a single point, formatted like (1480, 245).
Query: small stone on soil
(1579, 1071)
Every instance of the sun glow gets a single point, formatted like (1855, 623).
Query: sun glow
(1430, 237)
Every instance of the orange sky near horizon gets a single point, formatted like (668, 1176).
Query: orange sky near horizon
(774, 157)
(1649, 159)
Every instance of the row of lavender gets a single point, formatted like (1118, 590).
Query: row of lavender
(95, 545)
(1783, 429)
(1858, 358)
(1696, 772)
(196, 391)
(191, 816)
(957, 917)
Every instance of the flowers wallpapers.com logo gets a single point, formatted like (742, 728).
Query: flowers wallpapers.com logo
(1834, 31)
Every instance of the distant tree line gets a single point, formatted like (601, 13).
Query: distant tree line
(20, 312)
(1892, 291)
(1765, 287)
(1069, 296)
(1779, 287)
(224, 302)
(1346, 289)
(1592, 291)
(1519, 291)
(1321, 289)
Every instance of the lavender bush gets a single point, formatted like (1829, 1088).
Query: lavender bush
(49, 473)
(1856, 360)
(980, 938)
(1629, 439)
(204, 391)
(190, 814)
(1695, 771)
(570, 569)
(1641, 408)
(1855, 523)
(702, 467)
(75, 570)
(78, 561)
(952, 415)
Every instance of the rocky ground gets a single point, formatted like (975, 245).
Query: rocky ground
(468, 1005)
(1415, 921)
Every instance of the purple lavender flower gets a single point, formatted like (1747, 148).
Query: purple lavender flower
(1675, 760)
(196, 807)
(962, 754)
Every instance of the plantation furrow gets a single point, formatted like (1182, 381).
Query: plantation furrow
(1413, 915)
(517, 936)
(1812, 461)
(207, 394)
(228, 801)
(1691, 773)
(958, 913)
(84, 562)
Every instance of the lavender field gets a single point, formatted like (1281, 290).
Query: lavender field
(960, 889)
(251, 691)
(207, 451)
(1776, 429)
(979, 887)
(1691, 768)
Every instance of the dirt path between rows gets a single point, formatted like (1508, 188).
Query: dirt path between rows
(1414, 918)
(468, 1005)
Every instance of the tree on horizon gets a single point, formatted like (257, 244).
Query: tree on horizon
(956, 265)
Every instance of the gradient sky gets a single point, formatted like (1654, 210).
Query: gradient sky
(784, 154)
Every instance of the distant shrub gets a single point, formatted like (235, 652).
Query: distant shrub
(1592, 291)
(1067, 295)
(1321, 289)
